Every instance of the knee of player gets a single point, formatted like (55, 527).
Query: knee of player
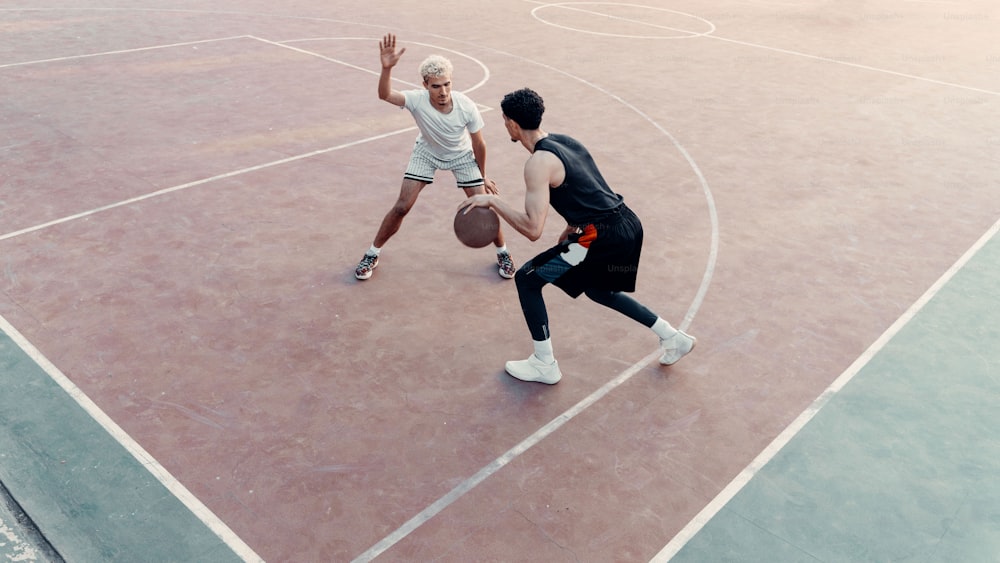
(401, 208)
(527, 279)
(600, 296)
(521, 276)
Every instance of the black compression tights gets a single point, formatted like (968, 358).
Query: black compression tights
(529, 291)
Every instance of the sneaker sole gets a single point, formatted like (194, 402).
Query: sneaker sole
(546, 382)
(694, 342)
(534, 380)
(364, 277)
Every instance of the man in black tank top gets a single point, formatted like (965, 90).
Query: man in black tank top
(597, 253)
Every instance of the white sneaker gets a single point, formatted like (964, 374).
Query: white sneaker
(676, 347)
(534, 369)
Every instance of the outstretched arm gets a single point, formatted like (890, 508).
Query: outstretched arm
(530, 222)
(389, 56)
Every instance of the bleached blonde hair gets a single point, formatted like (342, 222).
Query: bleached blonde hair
(435, 65)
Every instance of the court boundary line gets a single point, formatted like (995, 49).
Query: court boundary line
(180, 187)
(147, 461)
(700, 520)
(853, 65)
(123, 51)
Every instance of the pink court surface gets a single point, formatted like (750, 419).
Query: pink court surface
(186, 188)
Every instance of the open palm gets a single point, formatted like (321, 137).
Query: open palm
(388, 53)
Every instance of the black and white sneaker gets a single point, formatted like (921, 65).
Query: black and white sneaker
(366, 266)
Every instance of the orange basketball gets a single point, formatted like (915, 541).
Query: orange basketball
(478, 227)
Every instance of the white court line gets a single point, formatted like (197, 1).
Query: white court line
(570, 7)
(711, 35)
(161, 474)
(285, 45)
(122, 51)
(476, 86)
(180, 187)
(498, 464)
(744, 477)
(854, 65)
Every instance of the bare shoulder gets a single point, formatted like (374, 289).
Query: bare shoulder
(544, 168)
(544, 159)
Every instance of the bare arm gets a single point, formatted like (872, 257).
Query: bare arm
(389, 57)
(479, 152)
(537, 173)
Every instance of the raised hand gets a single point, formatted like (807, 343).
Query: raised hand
(387, 49)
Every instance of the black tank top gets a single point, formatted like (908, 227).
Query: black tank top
(584, 197)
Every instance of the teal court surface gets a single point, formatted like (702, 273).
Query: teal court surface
(899, 460)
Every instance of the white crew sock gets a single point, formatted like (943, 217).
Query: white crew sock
(501, 249)
(374, 250)
(663, 329)
(543, 350)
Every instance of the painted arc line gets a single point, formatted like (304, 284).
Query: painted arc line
(744, 477)
(571, 6)
(476, 86)
(286, 45)
(147, 461)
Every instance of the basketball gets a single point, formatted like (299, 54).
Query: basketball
(478, 227)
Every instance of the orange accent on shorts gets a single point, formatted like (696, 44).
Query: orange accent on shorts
(589, 235)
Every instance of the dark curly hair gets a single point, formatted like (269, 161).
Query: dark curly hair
(525, 107)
